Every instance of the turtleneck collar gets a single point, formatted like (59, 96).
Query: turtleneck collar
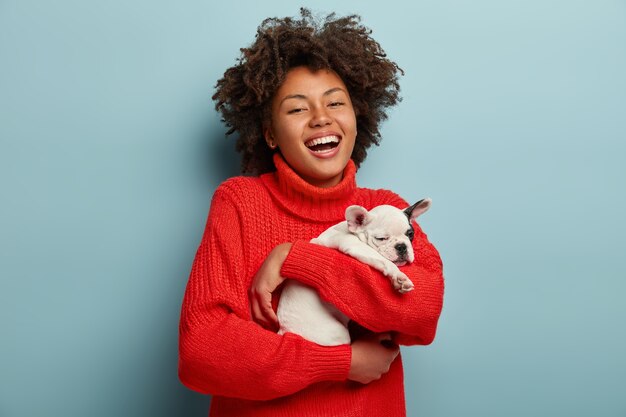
(306, 200)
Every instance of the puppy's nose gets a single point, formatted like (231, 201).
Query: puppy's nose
(401, 248)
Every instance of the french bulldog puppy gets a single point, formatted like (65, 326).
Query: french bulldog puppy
(380, 238)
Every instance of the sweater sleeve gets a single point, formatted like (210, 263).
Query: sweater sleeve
(221, 351)
(365, 295)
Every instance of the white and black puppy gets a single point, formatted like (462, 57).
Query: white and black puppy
(380, 238)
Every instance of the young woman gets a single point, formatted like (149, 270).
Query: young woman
(306, 99)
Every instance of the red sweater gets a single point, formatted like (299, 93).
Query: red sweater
(251, 371)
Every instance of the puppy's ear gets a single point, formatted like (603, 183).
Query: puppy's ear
(417, 209)
(357, 216)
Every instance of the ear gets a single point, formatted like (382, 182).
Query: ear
(357, 216)
(269, 137)
(417, 209)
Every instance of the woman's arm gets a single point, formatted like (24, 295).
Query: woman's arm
(371, 356)
(363, 293)
(222, 352)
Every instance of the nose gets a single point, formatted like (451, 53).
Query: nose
(320, 117)
(401, 249)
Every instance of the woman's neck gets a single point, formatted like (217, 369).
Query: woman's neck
(306, 199)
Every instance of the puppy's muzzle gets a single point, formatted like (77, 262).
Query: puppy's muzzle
(402, 251)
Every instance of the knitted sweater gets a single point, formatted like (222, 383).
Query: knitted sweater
(251, 371)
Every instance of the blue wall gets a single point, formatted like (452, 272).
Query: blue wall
(512, 121)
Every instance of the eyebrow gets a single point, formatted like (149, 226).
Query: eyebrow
(303, 97)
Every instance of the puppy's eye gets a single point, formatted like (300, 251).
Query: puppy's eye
(410, 234)
(381, 239)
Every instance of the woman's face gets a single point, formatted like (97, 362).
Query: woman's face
(313, 125)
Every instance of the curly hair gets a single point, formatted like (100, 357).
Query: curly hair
(244, 95)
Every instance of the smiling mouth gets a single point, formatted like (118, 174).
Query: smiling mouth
(324, 144)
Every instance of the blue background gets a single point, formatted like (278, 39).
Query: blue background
(513, 121)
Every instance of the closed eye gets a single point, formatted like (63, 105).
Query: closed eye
(294, 111)
(381, 239)
(336, 104)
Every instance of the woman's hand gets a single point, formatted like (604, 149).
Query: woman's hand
(371, 357)
(266, 280)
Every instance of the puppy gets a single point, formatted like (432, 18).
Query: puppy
(380, 238)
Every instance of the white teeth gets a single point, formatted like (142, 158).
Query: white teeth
(321, 141)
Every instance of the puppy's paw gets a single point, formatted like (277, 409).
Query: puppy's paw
(402, 283)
